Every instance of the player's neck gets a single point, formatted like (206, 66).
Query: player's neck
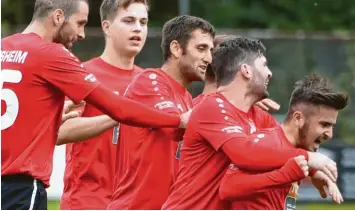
(117, 59)
(40, 29)
(290, 133)
(209, 88)
(176, 73)
(237, 94)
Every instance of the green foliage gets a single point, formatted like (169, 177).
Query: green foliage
(278, 14)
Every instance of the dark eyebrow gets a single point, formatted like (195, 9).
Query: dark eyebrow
(132, 17)
(327, 122)
(82, 22)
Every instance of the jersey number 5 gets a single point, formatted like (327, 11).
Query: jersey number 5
(10, 97)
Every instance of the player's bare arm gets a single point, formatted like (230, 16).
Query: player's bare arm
(83, 128)
(68, 110)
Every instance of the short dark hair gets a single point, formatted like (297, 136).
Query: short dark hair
(180, 29)
(108, 8)
(231, 54)
(43, 7)
(209, 75)
(316, 90)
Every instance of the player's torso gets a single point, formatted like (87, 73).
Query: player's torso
(90, 169)
(201, 160)
(277, 198)
(147, 157)
(283, 198)
(31, 107)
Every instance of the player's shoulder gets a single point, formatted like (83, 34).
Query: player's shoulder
(151, 76)
(138, 69)
(213, 104)
(92, 61)
(9, 39)
(213, 100)
(152, 73)
(58, 50)
(93, 65)
(30, 42)
(198, 99)
(259, 113)
(148, 81)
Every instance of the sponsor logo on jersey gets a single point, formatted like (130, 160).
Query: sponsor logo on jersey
(165, 104)
(233, 129)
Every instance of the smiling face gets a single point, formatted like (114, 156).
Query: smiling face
(260, 78)
(197, 55)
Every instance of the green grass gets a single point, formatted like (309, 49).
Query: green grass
(54, 205)
(330, 206)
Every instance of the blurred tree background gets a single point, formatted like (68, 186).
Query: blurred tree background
(330, 52)
(275, 14)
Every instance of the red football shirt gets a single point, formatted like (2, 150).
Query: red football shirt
(37, 74)
(212, 123)
(264, 197)
(90, 165)
(147, 157)
(198, 99)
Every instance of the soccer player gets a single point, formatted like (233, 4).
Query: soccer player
(220, 128)
(90, 164)
(147, 159)
(311, 116)
(37, 71)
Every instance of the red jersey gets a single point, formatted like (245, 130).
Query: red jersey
(90, 165)
(212, 123)
(266, 194)
(198, 99)
(36, 74)
(147, 157)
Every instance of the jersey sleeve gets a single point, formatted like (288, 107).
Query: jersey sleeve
(215, 123)
(264, 119)
(269, 121)
(237, 183)
(152, 89)
(64, 71)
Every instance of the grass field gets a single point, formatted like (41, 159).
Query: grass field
(54, 205)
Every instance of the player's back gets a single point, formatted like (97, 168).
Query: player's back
(147, 157)
(30, 121)
(275, 198)
(203, 163)
(34, 72)
(90, 165)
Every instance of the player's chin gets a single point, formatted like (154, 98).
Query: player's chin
(313, 148)
(69, 45)
(263, 95)
(133, 50)
(200, 77)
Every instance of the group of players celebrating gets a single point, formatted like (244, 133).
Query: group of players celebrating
(141, 141)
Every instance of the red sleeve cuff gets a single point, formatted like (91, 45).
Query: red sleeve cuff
(304, 153)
